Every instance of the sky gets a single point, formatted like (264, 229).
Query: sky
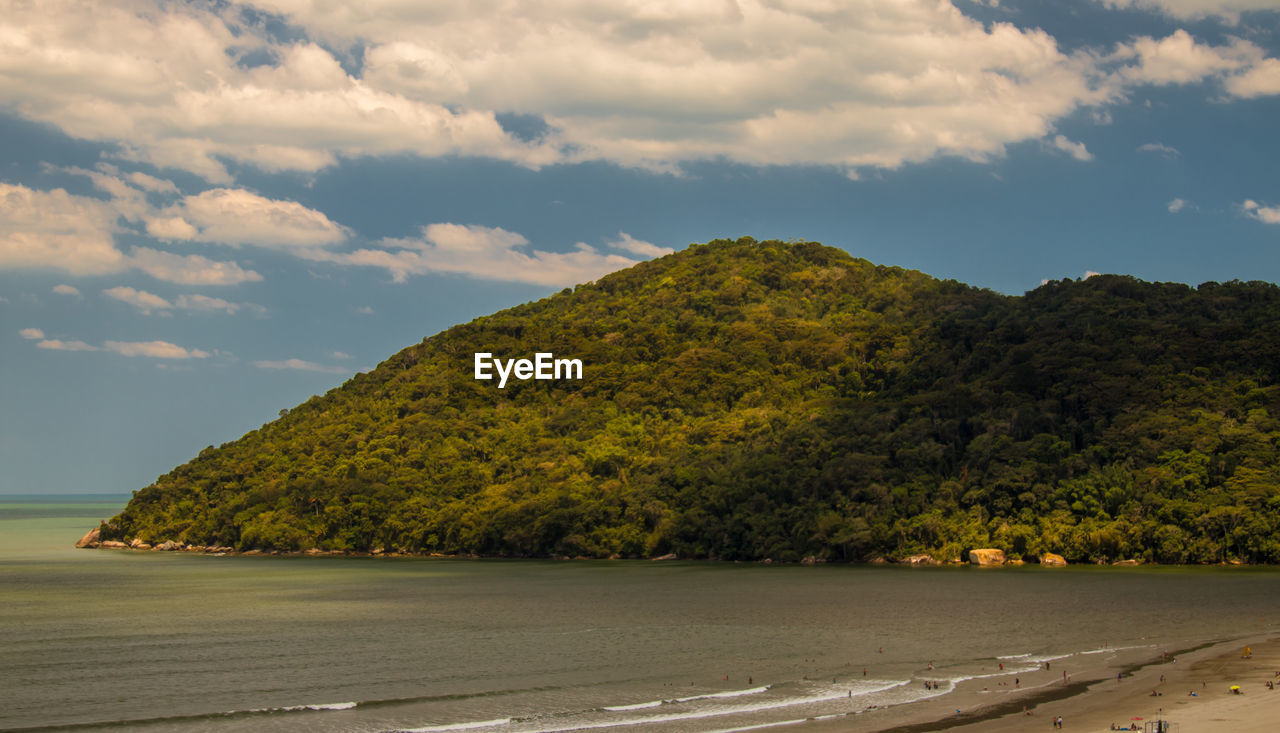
(210, 211)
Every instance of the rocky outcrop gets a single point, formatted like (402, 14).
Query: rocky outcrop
(113, 545)
(90, 539)
(919, 560)
(986, 557)
(670, 556)
(1051, 560)
(1129, 562)
(168, 546)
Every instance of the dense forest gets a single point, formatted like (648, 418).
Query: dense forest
(749, 400)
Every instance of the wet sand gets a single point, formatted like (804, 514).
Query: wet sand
(1092, 699)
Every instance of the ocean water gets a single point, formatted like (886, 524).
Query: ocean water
(148, 641)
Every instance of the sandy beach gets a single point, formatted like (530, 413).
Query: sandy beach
(1093, 699)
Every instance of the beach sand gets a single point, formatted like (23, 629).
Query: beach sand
(1092, 699)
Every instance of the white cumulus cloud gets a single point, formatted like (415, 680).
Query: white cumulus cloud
(235, 217)
(65, 289)
(32, 334)
(205, 304)
(76, 235)
(628, 243)
(489, 253)
(1180, 59)
(140, 299)
(1265, 214)
(60, 345)
(1176, 205)
(189, 269)
(1070, 147)
(154, 349)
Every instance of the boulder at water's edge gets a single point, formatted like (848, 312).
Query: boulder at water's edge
(986, 557)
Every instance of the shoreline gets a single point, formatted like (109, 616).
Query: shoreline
(90, 541)
(1094, 699)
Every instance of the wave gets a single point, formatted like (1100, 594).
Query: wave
(778, 724)
(698, 712)
(673, 701)
(321, 706)
(457, 726)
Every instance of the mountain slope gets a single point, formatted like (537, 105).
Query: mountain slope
(749, 400)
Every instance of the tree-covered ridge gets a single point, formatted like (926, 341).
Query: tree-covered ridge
(745, 400)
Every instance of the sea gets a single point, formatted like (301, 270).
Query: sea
(171, 641)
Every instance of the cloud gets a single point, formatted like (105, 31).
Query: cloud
(235, 217)
(301, 365)
(341, 355)
(1074, 149)
(151, 183)
(1189, 9)
(140, 299)
(627, 243)
(206, 304)
(1090, 273)
(1159, 149)
(76, 234)
(66, 290)
(1261, 80)
(189, 269)
(489, 253)
(1265, 214)
(364, 310)
(652, 84)
(1176, 205)
(154, 349)
(54, 229)
(165, 81)
(31, 334)
(58, 345)
(1180, 59)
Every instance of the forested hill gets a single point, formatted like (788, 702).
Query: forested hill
(744, 400)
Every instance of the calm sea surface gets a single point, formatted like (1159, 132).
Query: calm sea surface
(151, 641)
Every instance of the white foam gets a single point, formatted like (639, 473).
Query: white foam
(708, 696)
(729, 693)
(322, 706)
(831, 695)
(637, 706)
(459, 726)
(778, 724)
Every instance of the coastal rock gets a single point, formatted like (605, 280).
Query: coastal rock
(168, 546)
(986, 557)
(668, 556)
(919, 560)
(90, 539)
(141, 546)
(136, 543)
(113, 545)
(1127, 563)
(1051, 560)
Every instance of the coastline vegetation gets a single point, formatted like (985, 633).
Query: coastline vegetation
(749, 400)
